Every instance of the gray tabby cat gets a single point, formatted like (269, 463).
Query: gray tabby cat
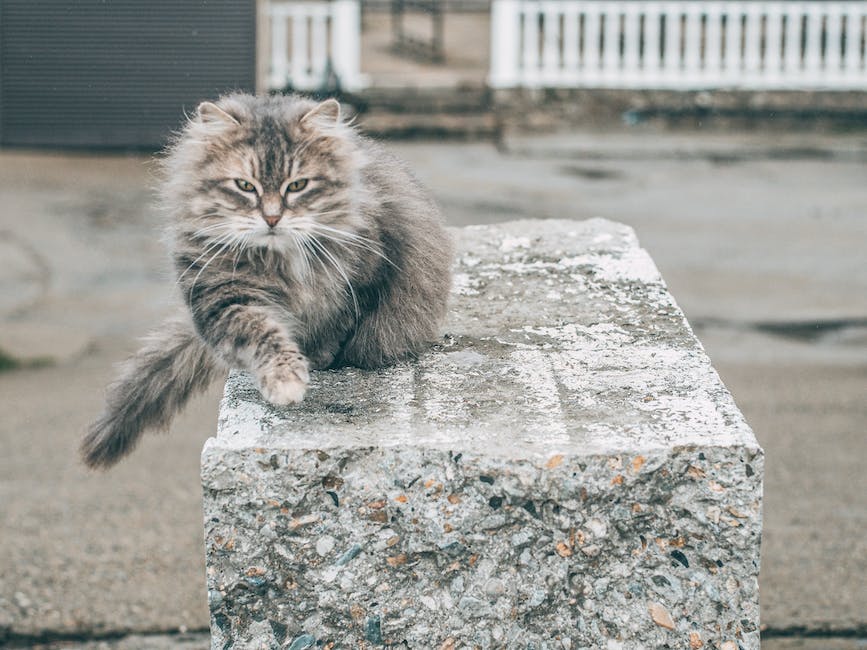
(297, 243)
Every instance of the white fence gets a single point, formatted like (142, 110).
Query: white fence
(678, 44)
(314, 41)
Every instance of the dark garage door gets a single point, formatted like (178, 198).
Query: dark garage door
(117, 73)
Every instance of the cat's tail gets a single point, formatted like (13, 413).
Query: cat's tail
(152, 387)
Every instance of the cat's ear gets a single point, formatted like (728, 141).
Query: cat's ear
(327, 112)
(210, 113)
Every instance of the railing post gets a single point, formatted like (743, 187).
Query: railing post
(505, 43)
(692, 44)
(551, 44)
(319, 44)
(651, 59)
(752, 72)
(300, 58)
(852, 57)
(631, 41)
(734, 33)
(346, 43)
(813, 46)
(834, 29)
(592, 32)
(279, 72)
(792, 54)
(713, 43)
(773, 44)
(611, 44)
(530, 53)
(570, 41)
(671, 58)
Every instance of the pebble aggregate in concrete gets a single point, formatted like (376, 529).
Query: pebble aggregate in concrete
(565, 470)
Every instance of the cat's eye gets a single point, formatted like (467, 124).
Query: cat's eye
(245, 186)
(297, 186)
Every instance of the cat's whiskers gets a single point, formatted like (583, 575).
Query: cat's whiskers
(345, 233)
(339, 268)
(205, 216)
(211, 245)
(342, 235)
(323, 213)
(242, 248)
(326, 268)
(310, 253)
(346, 238)
(209, 231)
(209, 227)
(295, 262)
(300, 239)
(201, 270)
(233, 240)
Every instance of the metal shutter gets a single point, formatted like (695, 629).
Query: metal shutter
(117, 73)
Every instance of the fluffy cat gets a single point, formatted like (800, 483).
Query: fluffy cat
(297, 243)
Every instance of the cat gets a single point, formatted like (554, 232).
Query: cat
(298, 244)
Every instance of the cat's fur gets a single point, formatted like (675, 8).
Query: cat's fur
(355, 272)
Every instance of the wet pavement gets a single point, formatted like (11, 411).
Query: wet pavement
(761, 239)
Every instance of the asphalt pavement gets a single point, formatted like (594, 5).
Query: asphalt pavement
(761, 238)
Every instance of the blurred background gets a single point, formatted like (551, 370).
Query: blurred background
(731, 135)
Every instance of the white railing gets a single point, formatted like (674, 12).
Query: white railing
(679, 44)
(313, 43)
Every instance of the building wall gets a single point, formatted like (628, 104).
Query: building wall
(117, 73)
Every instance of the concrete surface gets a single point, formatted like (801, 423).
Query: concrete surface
(775, 236)
(201, 641)
(565, 470)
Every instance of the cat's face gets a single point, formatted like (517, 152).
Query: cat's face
(266, 173)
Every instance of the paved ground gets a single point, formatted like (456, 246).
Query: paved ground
(761, 238)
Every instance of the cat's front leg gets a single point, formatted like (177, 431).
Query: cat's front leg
(256, 338)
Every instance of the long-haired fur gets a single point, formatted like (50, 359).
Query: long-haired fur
(297, 243)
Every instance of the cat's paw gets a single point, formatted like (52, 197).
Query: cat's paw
(284, 380)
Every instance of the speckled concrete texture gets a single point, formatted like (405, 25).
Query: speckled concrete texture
(565, 470)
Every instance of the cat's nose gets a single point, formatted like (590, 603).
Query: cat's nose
(272, 208)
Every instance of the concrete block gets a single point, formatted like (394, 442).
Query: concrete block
(565, 470)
